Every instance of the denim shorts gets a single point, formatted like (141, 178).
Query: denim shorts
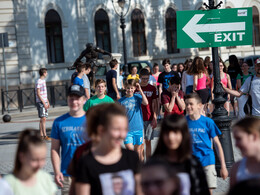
(134, 137)
(148, 130)
(42, 112)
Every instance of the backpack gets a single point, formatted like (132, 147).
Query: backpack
(248, 104)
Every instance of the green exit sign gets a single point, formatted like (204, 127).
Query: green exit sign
(214, 28)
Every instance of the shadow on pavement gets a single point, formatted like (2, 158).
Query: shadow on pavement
(12, 138)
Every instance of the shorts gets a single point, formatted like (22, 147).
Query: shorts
(225, 96)
(134, 137)
(211, 175)
(66, 185)
(42, 112)
(204, 94)
(148, 130)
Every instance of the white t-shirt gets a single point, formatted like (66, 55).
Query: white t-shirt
(254, 92)
(41, 84)
(44, 185)
(152, 80)
(86, 82)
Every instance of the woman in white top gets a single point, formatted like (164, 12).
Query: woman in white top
(27, 177)
(247, 135)
(187, 78)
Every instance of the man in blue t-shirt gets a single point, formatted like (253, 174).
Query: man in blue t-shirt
(81, 68)
(111, 78)
(68, 133)
(132, 102)
(202, 130)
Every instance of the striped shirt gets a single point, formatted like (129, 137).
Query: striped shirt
(41, 84)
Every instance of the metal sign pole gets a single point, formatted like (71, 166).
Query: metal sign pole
(220, 115)
(6, 85)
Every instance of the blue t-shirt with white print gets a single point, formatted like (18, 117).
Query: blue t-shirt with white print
(202, 131)
(133, 111)
(71, 133)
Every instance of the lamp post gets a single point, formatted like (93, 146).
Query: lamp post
(122, 14)
(220, 114)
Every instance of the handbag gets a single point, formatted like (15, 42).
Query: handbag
(248, 104)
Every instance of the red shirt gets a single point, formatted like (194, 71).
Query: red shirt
(166, 98)
(150, 93)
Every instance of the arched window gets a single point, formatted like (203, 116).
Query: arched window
(138, 33)
(102, 30)
(256, 26)
(171, 34)
(54, 39)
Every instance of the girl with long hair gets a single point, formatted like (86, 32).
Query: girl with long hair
(200, 81)
(247, 136)
(225, 80)
(187, 78)
(107, 127)
(233, 70)
(27, 177)
(174, 145)
(180, 69)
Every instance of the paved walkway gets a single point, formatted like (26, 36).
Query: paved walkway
(28, 119)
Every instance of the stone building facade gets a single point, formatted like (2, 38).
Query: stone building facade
(52, 33)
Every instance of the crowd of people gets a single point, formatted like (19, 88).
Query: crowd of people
(86, 143)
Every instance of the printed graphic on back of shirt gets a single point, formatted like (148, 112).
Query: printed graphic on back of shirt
(167, 79)
(119, 183)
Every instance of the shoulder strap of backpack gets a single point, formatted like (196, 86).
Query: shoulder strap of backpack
(250, 83)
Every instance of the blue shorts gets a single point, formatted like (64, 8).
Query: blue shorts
(134, 137)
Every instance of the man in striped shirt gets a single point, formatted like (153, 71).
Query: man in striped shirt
(42, 102)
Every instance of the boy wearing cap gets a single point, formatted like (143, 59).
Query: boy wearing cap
(67, 134)
(250, 86)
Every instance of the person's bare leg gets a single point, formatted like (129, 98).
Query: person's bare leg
(129, 146)
(138, 149)
(226, 106)
(42, 126)
(143, 151)
(148, 149)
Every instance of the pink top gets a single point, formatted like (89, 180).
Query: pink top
(202, 82)
(156, 78)
(224, 80)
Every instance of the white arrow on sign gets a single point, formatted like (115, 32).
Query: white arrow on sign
(192, 28)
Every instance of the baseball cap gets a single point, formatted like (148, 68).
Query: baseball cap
(257, 61)
(76, 90)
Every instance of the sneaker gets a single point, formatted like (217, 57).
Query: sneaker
(47, 138)
(42, 138)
